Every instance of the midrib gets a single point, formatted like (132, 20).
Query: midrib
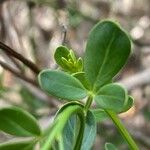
(17, 126)
(105, 57)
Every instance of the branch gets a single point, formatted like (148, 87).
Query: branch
(21, 76)
(28, 63)
(14, 61)
(64, 32)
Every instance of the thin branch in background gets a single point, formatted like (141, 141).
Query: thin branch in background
(16, 73)
(28, 63)
(11, 18)
(14, 61)
(10, 52)
(64, 32)
(32, 82)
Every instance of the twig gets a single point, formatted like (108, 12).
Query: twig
(36, 89)
(10, 17)
(21, 76)
(14, 61)
(10, 51)
(64, 30)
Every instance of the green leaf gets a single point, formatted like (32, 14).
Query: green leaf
(80, 64)
(81, 77)
(112, 96)
(18, 122)
(128, 105)
(109, 146)
(54, 132)
(62, 85)
(89, 132)
(67, 60)
(70, 132)
(60, 52)
(123, 131)
(99, 114)
(22, 145)
(107, 50)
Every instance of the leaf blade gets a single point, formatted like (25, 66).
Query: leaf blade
(128, 105)
(62, 85)
(110, 146)
(107, 44)
(89, 132)
(99, 114)
(18, 122)
(64, 113)
(112, 96)
(21, 145)
(60, 52)
(70, 135)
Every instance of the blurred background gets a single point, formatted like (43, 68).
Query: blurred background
(34, 29)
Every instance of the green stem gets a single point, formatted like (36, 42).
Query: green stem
(80, 134)
(82, 124)
(59, 125)
(88, 104)
(122, 129)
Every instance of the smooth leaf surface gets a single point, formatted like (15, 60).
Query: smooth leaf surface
(89, 132)
(18, 122)
(129, 104)
(112, 96)
(99, 114)
(81, 77)
(62, 85)
(70, 132)
(60, 52)
(27, 145)
(107, 50)
(53, 133)
(109, 146)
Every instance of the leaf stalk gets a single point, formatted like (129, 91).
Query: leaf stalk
(88, 104)
(122, 129)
